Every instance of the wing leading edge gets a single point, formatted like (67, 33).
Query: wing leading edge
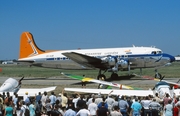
(86, 60)
(34, 91)
(112, 91)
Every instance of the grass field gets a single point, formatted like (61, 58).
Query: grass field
(172, 71)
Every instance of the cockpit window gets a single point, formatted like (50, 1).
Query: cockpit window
(153, 52)
(159, 52)
(156, 52)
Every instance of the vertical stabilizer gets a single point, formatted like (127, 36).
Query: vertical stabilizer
(28, 46)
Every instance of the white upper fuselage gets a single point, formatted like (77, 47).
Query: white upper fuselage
(97, 52)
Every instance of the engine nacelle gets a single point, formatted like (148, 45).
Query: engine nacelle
(110, 60)
(123, 63)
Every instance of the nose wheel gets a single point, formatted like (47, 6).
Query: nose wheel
(158, 75)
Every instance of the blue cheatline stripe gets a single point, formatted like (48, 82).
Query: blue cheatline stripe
(141, 56)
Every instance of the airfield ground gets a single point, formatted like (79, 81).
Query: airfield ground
(43, 77)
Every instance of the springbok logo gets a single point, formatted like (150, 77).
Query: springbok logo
(35, 52)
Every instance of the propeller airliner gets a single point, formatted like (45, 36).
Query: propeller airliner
(104, 59)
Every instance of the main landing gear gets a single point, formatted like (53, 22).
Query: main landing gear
(103, 77)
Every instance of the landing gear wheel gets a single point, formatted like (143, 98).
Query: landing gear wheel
(114, 76)
(101, 77)
(158, 75)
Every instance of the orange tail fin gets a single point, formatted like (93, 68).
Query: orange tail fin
(28, 46)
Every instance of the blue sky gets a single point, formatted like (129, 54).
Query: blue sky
(72, 24)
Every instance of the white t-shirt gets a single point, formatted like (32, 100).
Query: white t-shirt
(83, 112)
(92, 108)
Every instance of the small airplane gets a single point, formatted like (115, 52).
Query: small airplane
(104, 59)
(161, 88)
(12, 86)
(172, 84)
(101, 83)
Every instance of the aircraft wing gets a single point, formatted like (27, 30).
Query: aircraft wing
(88, 79)
(177, 92)
(33, 91)
(112, 91)
(86, 60)
(175, 85)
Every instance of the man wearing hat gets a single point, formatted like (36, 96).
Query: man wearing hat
(26, 98)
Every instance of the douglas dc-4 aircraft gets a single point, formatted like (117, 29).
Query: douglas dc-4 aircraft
(12, 85)
(105, 59)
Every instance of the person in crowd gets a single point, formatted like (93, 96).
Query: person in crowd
(18, 107)
(8, 110)
(105, 104)
(48, 107)
(123, 106)
(157, 98)
(176, 110)
(166, 99)
(59, 107)
(98, 99)
(92, 107)
(168, 108)
(55, 111)
(83, 112)
(115, 103)
(102, 111)
(43, 101)
(3, 96)
(52, 98)
(38, 108)
(26, 98)
(24, 106)
(89, 100)
(64, 100)
(154, 107)
(81, 102)
(75, 100)
(70, 111)
(109, 102)
(59, 98)
(38, 97)
(15, 99)
(116, 111)
(129, 101)
(32, 108)
(1, 107)
(145, 104)
(136, 108)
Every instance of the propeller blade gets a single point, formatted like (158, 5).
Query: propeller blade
(21, 79)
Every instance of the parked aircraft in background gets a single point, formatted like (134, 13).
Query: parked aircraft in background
(102, 83)
(12, 85)
(104, 59)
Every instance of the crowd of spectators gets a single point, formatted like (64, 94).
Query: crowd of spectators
(45, 104)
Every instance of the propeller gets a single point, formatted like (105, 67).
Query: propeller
(21, 80)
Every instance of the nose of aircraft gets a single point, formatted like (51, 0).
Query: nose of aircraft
(172, 58)
(6, 87)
